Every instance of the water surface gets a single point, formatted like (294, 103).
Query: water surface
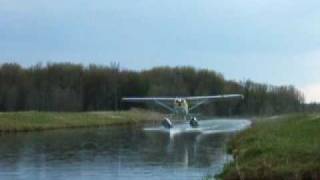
(119, 152)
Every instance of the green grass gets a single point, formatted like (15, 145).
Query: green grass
(286, 147)
(35, 121)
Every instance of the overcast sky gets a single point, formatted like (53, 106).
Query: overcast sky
(273, 41)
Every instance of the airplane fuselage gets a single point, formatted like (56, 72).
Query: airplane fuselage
(181, 106)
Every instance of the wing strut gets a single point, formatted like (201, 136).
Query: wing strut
(198, 104)
(164, 105)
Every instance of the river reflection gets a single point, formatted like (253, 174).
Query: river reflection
(117, 153)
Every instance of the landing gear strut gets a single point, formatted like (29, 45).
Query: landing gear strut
(167, 123)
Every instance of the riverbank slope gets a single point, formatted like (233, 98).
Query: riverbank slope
(35, 121)
(284, 147)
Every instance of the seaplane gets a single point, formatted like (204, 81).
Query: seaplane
(182, 105)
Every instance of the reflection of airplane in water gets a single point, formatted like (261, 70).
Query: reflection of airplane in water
(187, 149)
(192, 147)
(181, 105)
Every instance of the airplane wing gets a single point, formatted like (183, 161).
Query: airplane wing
(199, 100)
(190, 98)
(216, 97)
(158, 100)
(146, 99)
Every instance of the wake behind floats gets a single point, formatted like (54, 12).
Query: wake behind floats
(180, 105)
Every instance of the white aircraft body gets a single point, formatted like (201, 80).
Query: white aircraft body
(183, 105)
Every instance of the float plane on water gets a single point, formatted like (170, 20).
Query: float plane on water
(180, 105)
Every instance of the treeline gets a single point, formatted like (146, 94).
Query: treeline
(312, 107)
(73, 87)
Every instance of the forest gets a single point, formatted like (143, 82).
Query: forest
(75, 87)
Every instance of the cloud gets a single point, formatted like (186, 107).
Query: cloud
(312, 93)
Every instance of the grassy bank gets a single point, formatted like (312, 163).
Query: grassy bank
(32, 120)
(285, 147)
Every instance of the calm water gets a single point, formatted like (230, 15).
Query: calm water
(118, 152)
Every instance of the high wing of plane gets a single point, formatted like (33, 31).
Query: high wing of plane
(191, 98)
(145, 99)
(197, 101)
(194, 101)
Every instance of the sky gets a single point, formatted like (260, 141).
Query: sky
(274, 41)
